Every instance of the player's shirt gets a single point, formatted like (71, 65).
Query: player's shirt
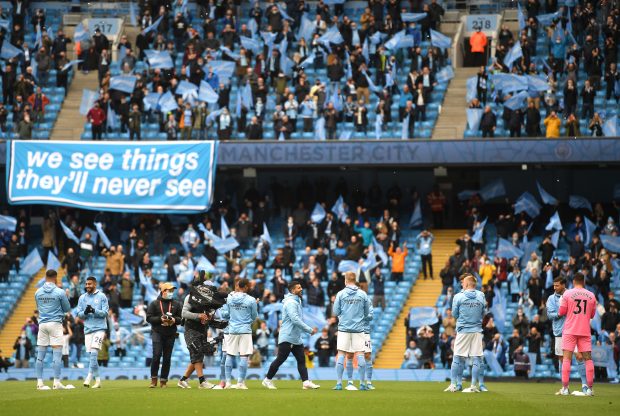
(97, 321)
(468, 308)
(579, 307)
(52, 303)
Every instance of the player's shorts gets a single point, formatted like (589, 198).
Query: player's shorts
(50, 334)
(239, 344)
(351, 341)
(582, 342)
(367, 343)
(558, 347)
(468, 344)
(93, 340)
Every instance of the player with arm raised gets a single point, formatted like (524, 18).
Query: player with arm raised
(578, 305)
(93, 310)
(468, 308)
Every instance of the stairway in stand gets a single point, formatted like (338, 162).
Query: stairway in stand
(423, 293)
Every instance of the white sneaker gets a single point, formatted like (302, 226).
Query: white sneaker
(87, 380)
(241, 386)
(184, 384)
(228, 386)
(43, 387)
(309, 385)
(472, 389)
(564, 391)
(205, 385)
(59, 386)
(269, 384)
(350, 387)
(589, 392)
(452, 388)
(370, 386)
(97, 384)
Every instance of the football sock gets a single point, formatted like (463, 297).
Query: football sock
(229, 364)
(340, 368)
(590, 372)
(41, 351)
(243, 368)
(57, 362)
(475, 370)
(369, 370)
(565, 372)
(581, 369)
(361, 367)
(93, 366)
(350, 369)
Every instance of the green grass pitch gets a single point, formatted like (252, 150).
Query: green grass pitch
(119, 398)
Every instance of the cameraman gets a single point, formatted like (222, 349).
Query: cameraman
(164, 314)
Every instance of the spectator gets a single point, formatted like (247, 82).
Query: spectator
(378, 298)
(488, 122)
(521, 323)
(324, 347)
(425, 242)
(22, 348)
(38, 101)
(521, 363)
(449, 323)
(398, 256)
(552, 124)
(96, 116)
(24, 128)
(412, 356)
(478, 42)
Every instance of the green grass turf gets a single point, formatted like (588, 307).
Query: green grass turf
(119, 398)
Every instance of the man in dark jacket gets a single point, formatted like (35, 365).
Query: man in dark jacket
(164, 314)
(254, 131)
(488, 122)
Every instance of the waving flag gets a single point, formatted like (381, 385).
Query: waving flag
(306, 29)
(32, 263)
(246, 97)
(52, 261)
(319, 129)
(547, 19)
(207, 94)
(225, 245)
(345, 135)
(517, 101)
(151, 101)
(159, 59)
(8, 223)
(223, 69)
(371, 84)
(472, 88)
(206, 265)
(513, 54)
(412, 17)
(111, 118)
(124, 83)
(251, 44)
(184, 87)
(479, 232)
(378, 126)
(493, 190)
(88, 101)
(579, 202)
(536, 84)
(348, 266)
(610, 127)
(318, 213)
(224, 231)
(499, 312)
(474, 115)
(167, 103)
(150, 294)
(80, 34)
(590, 230)
(378, 248)
(339, 209)
(508, 83)
(265, 236)
(520, 17)
(416, 216)
(554, 222)
(5, 24)
(332, 35)
(9, 51)
(132, 14)
(506, 250)
(365, 52)
(69, 233)
(104, 238)
(440, 40)
(611, 243)
(546, 197)
(445, 74)
(308, 61)
(528, 204)
(70, 64)
(395, 40)
(153, 26)
(404, 131)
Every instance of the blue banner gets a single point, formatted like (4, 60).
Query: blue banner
(113, 176)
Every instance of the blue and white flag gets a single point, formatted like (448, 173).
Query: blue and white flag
(369, 262)
(404, 130)
(151, 101)
(5, 24)
(422, 315)
(150, 293)
(445, 74)
(546, 197)
(499, 311)
(590, 230)
(224, 230)
(159, 59)
(412, 17)
(104, 238)
(377, 38)
(230, 53)
(378, 248)
(505, 249)
(38, 42)
(416, 216)
(9, 51)
(223, 69)
(579, 202)
(124, 83)
(493, 190)
(306, 29)
(207, 94)
(253, 27)
(474, 115)
(308, 61)
(536, 84)
(132, 14)
(52, 261)
(81, 34)
(348, 266)
(521, 17)
(88, 101)
(184, 87)
(167, 102)
(554, 223)
(205, 265)
(365, 51)
(611, 243)
(547, 19)
(225, 245)
(332, 35)
(32, 263)
(8, 223)
(555, 239)
(112, 119)
(70, 64)
(69, 233)
(339, 209)
(517, 101)
(153, 26)
(319, 129)
(440, 40)
(285, 15)
(371, 84)
(610, 127)
(378, 126)
(528, 204)
(246, 96)
(318, 213)
(396, 40)
(479, 232)
(265, 236)
(466, 194)
(472, 88)
(513, 54)
(251, 44)
(508, 83)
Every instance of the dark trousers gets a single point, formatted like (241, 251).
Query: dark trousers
(284, 350)
(162, 346)
(97, 132)
(427, 262)
(134, 134)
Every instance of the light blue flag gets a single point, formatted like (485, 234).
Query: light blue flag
(440, 40)
(528, 249)
(404, 130)
(505, 249)
(345, 135)
(319, 129)
(371, 84)
(124, 83)
(579, 202)
(513, 54)
(479, 232)
(546, 197)
(339, 209)
(508, 83)
(52, 261)
(213, 115)
(499, 311)
(223, 69)
(8, 223)
(127, 317)
(365, 52)
(422, 315)
(394, 40)
(225, 245)
(9, 51)
(88, 101)
(285, 15)
(517, 101)
(416, 217)
(590, 230)
(306, 29)
(35, 68)
(104, 238)
(520, 17)
(348, 266)
(151, 101)
(71, 63)
(555, 239)
(611, 243)
(287, 64)
(206, 265)
(246, 97)
(377, 38)
(283, 47)
(251, 44)
(308, 61)
(5, 24)
(554, 222)
(472, 88)
(167, 103)
(111, 119)
(253, 27)
(378, 248)
(547, 19)
(369, 262)
(378, 126)
(185, 87)
(610, 127)
(528, 204)
(265, 236)
(318, 213)
(69, 233)
(229, 52)
(159, 59)
(536, 84)
(132, 14)
(224, 231)
(38, 38)
(445, 74)
(32, 263)
(150, 294)
(153, 26)
(330, 2)
(80, 34)
(332, 35)
(412, 17)
(493, 190)
(93, 234)
(474, 115)
(207, 94)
